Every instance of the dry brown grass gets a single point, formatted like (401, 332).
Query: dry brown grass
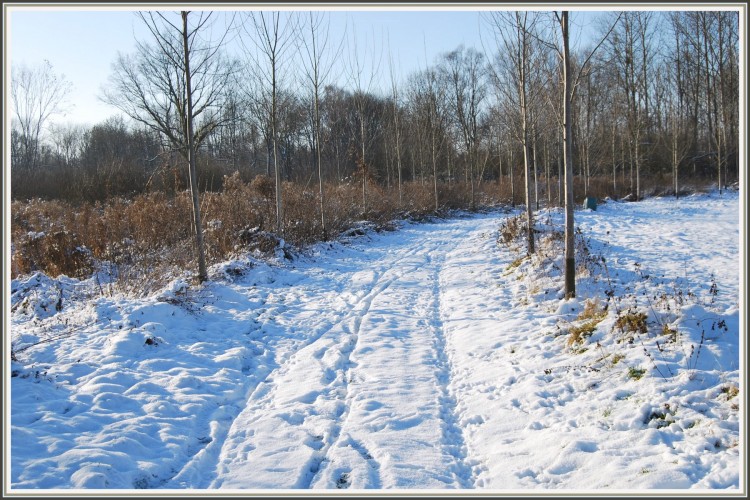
(589, 318)
(151, 235)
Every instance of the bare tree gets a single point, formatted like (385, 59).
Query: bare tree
(169, 85)
(68, 140)
(707, 86)
(670, 112)
(516, 35)
(630, 49)
(396, 125)
(428, 96)
(464, 73)
(569, 83)
(273, 39)
(570, 266)
(319, 62)
(436, 123)
(37, 93)
(363, 85)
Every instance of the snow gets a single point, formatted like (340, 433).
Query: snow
(429, 357)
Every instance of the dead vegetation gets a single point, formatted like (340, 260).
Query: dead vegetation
(148, 237)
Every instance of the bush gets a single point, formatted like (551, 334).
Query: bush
(149, 237)
(632, 322)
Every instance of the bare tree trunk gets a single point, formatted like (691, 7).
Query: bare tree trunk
(319, 159)
(675, 162)
(471, 180)
(364, 165)
(397, 131)
(529, 211)
(316, 75)
(614, 164)
(398, 157)
(525, 125)
(512, 182)
(632, 168)
(202, 273)
(434, 173)
(499, 167)
(533, 163)
(560, 167)
(570, 263)
(547, 174)
(277, 170)
(638, 165)
(622, 160)
(433, 152)
(273, 40)
(269, 156)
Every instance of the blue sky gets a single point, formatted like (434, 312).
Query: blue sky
(82, 43)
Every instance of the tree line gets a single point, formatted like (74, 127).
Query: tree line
(660, 96)
(654, 95)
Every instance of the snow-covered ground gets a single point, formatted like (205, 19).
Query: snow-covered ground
(433, 356)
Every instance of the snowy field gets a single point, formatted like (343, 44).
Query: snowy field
(430, 357)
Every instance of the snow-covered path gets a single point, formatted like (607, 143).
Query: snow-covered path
(427, 358)
(371, 397)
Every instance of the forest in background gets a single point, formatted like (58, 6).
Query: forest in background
(655, 109)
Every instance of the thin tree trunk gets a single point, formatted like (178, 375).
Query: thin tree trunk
(570, 266)
(398, 154)
(533, 163)
(614, 164)
(675, 161)
(560, 174)
(435, 178)
(364, 165)
(202, 273)
(547, 173)
(471, 180)
(512, 182)
(638, 165)
(319, 158)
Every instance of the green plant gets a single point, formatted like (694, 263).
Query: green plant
(636, 373)
(664, 416)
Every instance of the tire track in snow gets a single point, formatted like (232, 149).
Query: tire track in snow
(331, 402)
(337, 439)
(404, 411)
(453, 440)
(208, 449)
(348, 378)
(264, 399)
(358, 311)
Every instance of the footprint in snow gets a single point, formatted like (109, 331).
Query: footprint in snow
(343, 481)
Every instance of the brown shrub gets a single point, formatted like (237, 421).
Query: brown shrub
(56, 253)
(151, 235)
